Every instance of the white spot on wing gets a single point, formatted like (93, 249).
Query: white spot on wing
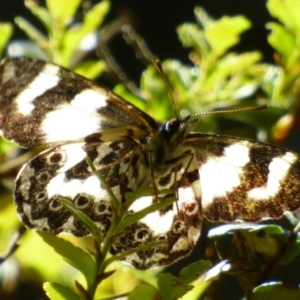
(141, 203)
(89, 100)
(55, 185)
(41, 83)
(161, 224)
(92, 186)
(181, 244)
(278, 170)
(59, 185)
(220, 175)
(69, 224)
(76, 120)
(72, 188)
(186, 195)
(74, 154)
(153, 220)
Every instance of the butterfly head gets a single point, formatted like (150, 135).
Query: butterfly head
(176, 128)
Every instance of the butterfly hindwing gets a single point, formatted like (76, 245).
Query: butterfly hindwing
(63, 172)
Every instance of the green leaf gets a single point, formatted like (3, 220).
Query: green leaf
(73, 36)
(191, 36)
(6, 31)
(287, 11)
(182, 79)
(232, 65)
(6, 146)
(217, 36)
(275, 291)
(82, 292)
(266, 240)
(93, 229)
(56, 291)
(159, 103)
(171, 287)
(62, 10)
(145, 292)
(282, 40)
(90, 68)
(123, 92)
(225, 33)
(193, 271)
(75, 256)
(267, 245)
(203, 18)
(293, 251)
(32, 32)
(254, 228)
(269, 229)
(41, 13)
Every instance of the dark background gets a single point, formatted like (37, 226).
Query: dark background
(157, 20)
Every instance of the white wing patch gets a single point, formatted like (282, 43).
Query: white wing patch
(60, 185)
(159, 224)
(162, 223)
(73, 153)
(46, 80)
(90, 101)
(80, 118)
(278, 170)
(220, 175)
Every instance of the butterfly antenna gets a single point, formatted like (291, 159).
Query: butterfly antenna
(163, 74)
(237, 110)
(254, 108)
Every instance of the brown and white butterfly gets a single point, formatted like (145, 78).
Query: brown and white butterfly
(217, 177)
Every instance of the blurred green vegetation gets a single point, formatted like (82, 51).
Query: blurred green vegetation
(216, 79)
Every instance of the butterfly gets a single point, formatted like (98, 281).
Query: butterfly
(218, 177)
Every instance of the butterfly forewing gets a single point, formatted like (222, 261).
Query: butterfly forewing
(221, 178)
(42, 103)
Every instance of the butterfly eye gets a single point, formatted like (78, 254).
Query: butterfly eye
(169, 128)
(172, 126)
